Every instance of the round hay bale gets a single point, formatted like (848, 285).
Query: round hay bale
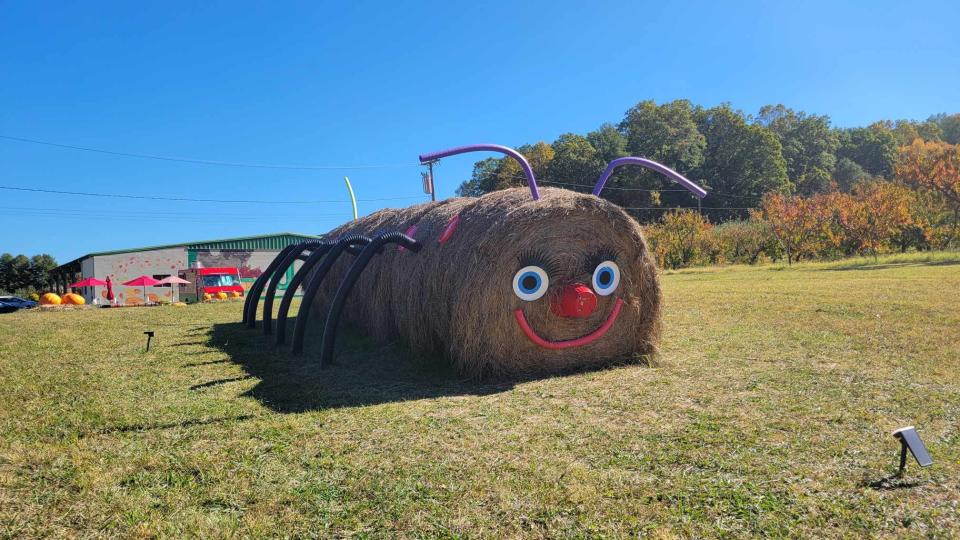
(222, 295)
(50, 299)
(457, 298)
(207, 297)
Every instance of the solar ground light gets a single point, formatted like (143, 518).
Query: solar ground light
(149, 334)
(910, 439)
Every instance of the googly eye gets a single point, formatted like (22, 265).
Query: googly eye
(530, 283)
(606, 278)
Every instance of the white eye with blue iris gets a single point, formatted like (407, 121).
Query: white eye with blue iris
(606, 278)
(530, 283)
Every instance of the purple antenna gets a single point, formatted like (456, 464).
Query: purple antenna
(531, 181)
(649, 164)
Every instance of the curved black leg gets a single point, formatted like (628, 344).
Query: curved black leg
(343, 291)
(253, 295)
(292, 287)
(319, 253)
(314, 286)
(278, 274)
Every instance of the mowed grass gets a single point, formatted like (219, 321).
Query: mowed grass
(768, 414)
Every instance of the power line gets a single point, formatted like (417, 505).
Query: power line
(210, 161)
(685, 208)
(614, 188)
(106, 213)
(164, 214)
(187, 199)
(552, 183)
(107, 217)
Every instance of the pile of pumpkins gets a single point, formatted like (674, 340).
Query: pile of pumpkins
(222, 295)
(51, 299)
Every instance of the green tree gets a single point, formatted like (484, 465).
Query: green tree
(6, 273)
(950, 127)
(15, 273)
(483, 180)
(510, 174)
(905, 131)
(608, 142)
(575, 161)
(809, 146)
(665, 133)
(847, 173)
(40, 268)
(874, 148)
(19, 274)
(930, 131)
(493, 174)
(742, 161)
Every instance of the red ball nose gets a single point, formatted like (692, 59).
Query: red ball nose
(575, 300)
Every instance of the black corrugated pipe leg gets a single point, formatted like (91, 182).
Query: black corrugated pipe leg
(253, 295)
(303, 314)
(341, 244)
(278, 274)
(349, 280)
(292, 287)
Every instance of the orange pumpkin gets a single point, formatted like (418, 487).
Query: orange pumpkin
(50, 299)
(222, 295)
(73, 299)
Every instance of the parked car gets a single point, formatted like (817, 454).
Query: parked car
(9, 304)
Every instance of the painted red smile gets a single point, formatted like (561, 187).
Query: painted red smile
(584, 340)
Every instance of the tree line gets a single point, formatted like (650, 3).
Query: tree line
(24, 275)
(754, 164)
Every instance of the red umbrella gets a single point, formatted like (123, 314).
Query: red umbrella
(142, 281)
(89, 282)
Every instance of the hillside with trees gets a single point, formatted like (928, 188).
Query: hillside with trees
(783, 184)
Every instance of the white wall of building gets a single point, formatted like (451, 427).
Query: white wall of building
(127, 266)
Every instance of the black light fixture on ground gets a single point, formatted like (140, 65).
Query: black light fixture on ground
(910, 440)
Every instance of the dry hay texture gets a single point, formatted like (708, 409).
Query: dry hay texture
(457, 298)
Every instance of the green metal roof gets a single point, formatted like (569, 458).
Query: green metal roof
(262, 242)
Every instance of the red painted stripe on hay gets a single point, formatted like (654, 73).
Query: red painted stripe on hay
(449, 229)
(411, 230)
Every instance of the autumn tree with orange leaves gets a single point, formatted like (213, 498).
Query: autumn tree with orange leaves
(802, 225)
(933, 167)
(872, 216)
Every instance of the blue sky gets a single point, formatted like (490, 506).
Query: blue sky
(364, 83)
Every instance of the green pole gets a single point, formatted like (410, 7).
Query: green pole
(353, 198)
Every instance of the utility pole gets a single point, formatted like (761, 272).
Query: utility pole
(699, 200)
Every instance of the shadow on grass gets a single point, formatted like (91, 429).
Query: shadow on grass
(218, 382)
(363, 373)
(171, 425)
(870, 265)
(210, 363)
(891, 482)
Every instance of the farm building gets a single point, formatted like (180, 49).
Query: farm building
(250, 254)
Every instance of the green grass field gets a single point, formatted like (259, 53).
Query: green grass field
(768, 414)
